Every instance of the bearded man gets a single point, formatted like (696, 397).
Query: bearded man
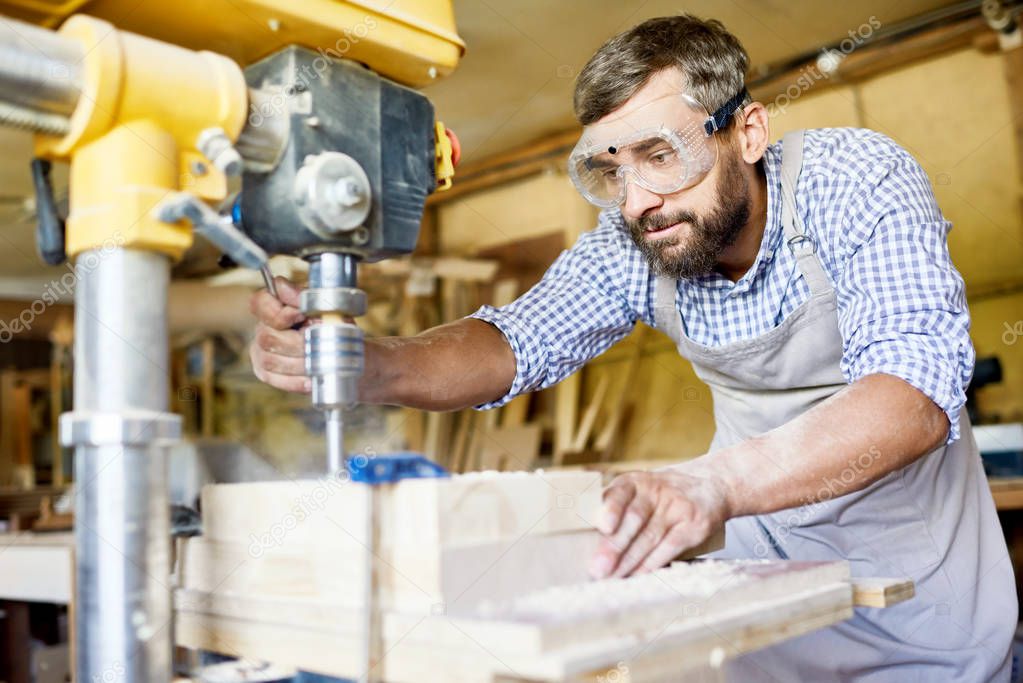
(810, 285)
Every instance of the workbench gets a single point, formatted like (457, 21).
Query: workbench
(483, 579)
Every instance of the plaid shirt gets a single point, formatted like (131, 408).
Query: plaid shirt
(881, 239)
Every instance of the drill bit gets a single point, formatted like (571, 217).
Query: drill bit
(335, 441)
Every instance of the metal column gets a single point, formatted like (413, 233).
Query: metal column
(120, 428)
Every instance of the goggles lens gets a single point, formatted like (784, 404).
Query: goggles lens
(663, 147)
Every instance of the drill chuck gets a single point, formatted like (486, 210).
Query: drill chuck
(334, 362)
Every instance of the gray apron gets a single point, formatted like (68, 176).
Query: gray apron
(933, 521)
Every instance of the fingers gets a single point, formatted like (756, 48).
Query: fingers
(677, 539)
(625, 514)
(289, 342)
(645, 540)
(288, 291)
(616, 498)
(292, 383)
(648, 520)
(273, 312)
(285, 372)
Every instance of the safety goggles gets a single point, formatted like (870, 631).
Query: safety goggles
(665, 146)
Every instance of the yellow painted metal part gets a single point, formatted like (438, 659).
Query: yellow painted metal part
(133, 135)
(444, 161)
(413, 42)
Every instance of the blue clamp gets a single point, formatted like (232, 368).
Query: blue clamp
(387, 469)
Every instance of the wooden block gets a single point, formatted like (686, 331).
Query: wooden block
(463, 509)
(878, 592)
(410, 577)
(36, 567)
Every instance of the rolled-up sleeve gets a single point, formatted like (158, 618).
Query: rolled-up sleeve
(574, 313)
(902, 304)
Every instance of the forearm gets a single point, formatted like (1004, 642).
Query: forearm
(452, 366)
(876, 425)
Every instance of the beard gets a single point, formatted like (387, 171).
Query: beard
(709, 237)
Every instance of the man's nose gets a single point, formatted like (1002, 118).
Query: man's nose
(639, 200)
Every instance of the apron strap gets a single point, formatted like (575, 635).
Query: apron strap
(666, 314)
(797, 239)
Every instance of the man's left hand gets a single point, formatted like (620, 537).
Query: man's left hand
(649, 518)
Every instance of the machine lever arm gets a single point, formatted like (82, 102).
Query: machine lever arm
(218, 229)
(50, 225)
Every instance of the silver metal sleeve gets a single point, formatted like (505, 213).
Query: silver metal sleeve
(40, 70)
(120, 430)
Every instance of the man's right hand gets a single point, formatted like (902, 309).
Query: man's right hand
(277, 350)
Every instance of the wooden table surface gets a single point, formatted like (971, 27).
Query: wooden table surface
(1007, 492)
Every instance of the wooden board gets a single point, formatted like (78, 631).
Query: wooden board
(683, 616)
(36, 567)
(463, 509)
(878, 592)
(410, 576)
(1007, 492)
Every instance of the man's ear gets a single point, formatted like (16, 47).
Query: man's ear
(753, 132)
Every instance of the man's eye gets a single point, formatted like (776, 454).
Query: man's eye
(661, 158)
(609, 173)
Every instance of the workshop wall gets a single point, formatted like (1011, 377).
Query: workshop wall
(952, 112)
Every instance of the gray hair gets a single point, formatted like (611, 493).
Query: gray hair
(712, 60)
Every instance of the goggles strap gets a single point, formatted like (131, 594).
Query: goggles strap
(720, 118)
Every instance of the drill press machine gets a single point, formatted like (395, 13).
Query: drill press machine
(336, 157)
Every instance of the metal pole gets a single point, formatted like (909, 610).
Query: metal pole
(40, 77)
(120, 428)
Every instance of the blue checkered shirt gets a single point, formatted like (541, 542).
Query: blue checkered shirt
(881, 239)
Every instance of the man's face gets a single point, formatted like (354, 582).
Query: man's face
(683, 234)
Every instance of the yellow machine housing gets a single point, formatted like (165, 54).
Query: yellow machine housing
(412, 42)
(161, 73)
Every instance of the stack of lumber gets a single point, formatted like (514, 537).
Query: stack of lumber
(482, 577)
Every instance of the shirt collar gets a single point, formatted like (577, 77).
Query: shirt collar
(771, 240)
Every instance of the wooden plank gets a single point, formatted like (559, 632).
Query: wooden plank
(582, 437)
(8, 379)
(459, 459)
(879, 592)
(566, 410)
(61, 337)
(207, 395)
(511, 448)
(410, 577)
(24, 465)
(608, 437)
(552, 634)
(1007, 492)
(462, 509)
(514, 412)
(36, 569)
(438, 436)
